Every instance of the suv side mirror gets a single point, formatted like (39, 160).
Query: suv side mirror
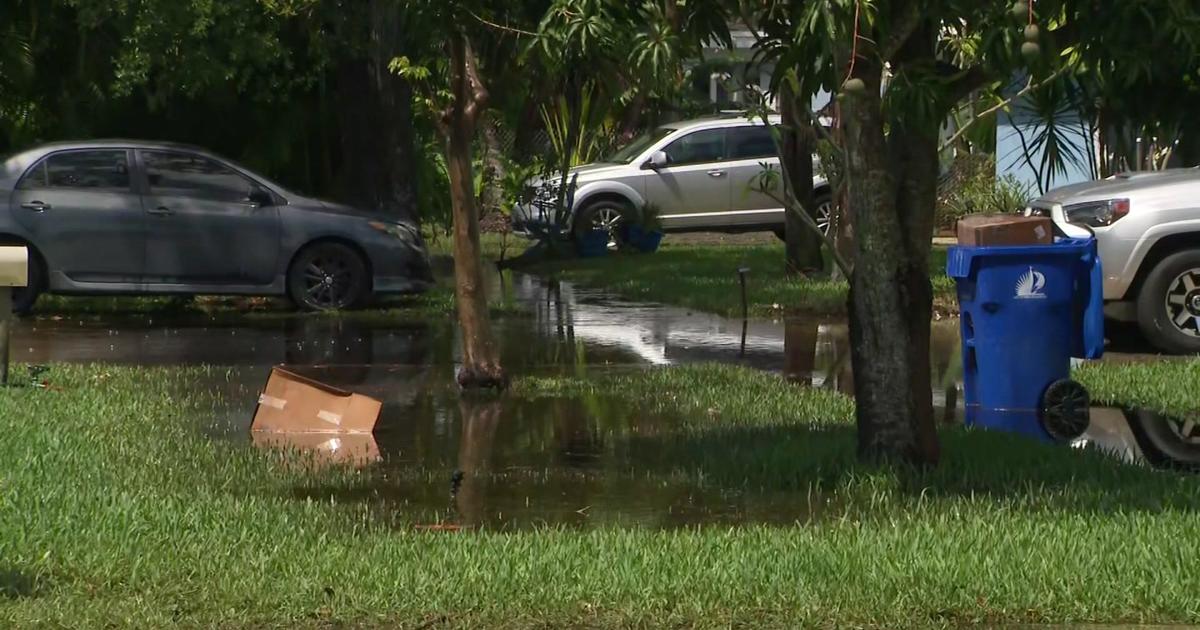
(260, 197)
(657, 160)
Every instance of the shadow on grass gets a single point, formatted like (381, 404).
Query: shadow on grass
(977, 466)
(16, 585)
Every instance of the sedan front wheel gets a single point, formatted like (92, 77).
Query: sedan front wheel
(328, 276)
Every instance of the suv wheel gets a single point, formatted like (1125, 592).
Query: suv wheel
(1166, 441)
(605, 214)
(1168, 305)
(823, 216)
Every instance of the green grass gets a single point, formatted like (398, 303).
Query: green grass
(1164, 386)
(115, 510)
(704, 277)
(492, 245)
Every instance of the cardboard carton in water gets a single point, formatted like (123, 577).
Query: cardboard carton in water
(291, 403)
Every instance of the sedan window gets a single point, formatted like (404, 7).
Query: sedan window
(188, 175)
(697, 148)
(93, 170)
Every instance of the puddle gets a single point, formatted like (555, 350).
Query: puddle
(573, 462)
(436, 459)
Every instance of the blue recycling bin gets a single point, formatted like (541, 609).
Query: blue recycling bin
(1025, 312)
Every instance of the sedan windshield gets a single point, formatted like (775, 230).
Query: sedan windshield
(630, 151)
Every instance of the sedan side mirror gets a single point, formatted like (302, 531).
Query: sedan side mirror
(260, 197)
(657, 160)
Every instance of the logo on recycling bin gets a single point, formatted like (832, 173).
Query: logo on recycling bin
(1030, 285)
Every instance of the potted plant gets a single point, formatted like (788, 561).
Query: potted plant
(592, 243)
(646, 233)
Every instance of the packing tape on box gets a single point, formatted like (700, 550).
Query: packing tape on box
(271, 401)
(330, 417)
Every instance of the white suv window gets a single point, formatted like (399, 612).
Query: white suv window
(698, 147)
(748, 143)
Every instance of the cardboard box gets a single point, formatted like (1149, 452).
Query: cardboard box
(14, 266)
(1005, 229)
(291, 403)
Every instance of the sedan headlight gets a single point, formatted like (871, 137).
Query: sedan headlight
(399, 230)
(1097, 213)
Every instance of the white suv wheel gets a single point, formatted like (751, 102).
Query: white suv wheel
(1183, 302)
(1168, 303)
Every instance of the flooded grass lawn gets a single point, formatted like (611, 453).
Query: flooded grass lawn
(118, 506)
(704, 277)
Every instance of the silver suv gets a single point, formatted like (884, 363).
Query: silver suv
(1147, 227)
(699, 175)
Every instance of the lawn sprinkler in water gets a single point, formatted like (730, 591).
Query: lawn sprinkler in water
(742, 271)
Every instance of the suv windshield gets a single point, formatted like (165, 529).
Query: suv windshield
(630, 151)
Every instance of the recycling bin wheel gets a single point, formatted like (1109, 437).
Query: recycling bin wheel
(1066, 410)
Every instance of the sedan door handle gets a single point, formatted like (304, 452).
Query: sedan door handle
(161, 211)
(716, 173)
(36, 206)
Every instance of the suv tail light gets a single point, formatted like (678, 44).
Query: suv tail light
(1097, 213)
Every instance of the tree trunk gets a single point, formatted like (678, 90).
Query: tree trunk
(799, 141)
(480, 357)
(890, 296)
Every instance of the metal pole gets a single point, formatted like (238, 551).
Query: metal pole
(5, 325)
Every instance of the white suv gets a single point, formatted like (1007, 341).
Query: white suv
(1147, 228)
(699, 175)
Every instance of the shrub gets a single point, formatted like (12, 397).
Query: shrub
(971, 187)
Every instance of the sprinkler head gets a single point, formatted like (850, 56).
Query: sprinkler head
(1019, 10)
(1031, 51)
(854, 86)
(1032, 32)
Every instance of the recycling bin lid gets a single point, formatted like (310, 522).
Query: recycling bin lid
(960, 260)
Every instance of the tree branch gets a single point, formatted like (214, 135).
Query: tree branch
(968, 81)
(904, 24)
(501, 27)
(1029, 87)
(479, 93)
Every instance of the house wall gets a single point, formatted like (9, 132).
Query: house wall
(1019, 155)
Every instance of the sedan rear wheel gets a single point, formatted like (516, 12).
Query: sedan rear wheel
(328, 276)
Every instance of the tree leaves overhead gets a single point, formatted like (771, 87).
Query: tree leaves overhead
(191, 45)
(624, 45)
